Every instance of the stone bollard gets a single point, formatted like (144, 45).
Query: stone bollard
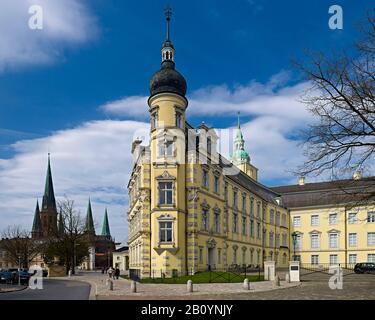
(109, 284)
(189, 286)
(277, 281)
(133, 286)
(246, 284)
(287, 278)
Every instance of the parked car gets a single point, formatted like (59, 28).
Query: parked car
(365, 267)
(6, 276)
(24, 276)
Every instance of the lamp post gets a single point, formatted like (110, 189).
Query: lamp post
(294, 237)
(19, 268)
(75, 257)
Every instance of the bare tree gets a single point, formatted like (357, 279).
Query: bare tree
(70, 245)
(20, 248)
(342, 99)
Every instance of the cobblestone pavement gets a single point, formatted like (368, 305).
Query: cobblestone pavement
(313, 287)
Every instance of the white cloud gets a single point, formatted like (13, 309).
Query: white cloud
(94, 159)
(65, 23)
(91, 160)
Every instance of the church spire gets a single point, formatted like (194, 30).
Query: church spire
(105, 228)
(89, 220)
(167, 51)
(49, 195)
(36, 231)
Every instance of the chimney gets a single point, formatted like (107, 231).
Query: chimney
(357, 175)
(301, 181)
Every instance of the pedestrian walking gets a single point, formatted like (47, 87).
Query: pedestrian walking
(110, 272)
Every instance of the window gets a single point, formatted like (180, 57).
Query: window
(243, 203)
(258, 230)
(333, 218)
(284, 258)
(205, 220)
(217, 222)
(244, 225)
(258, 210)
(243, 256)
(235, 255)
(200, 255)
(165, 192)
(216, 184)
(272, 216)
(315, 220)
(178, 120)
(251, 257)
(315, 259)
(252, 228)
(297, 221)
(284, 240)
(333, 240)
(226, 191)
(235, 222)
(252, 207)
(352, 218)
(371, 257)
(371, 238)
(234, 199)
(271, 243)
(315, 241)
(371, 216)
(219, 256)
(352, 258)
(278, 218)
(205, 179)
(277, 240)
(165, 231)
(352, 239)
(298, 243)
(154, 121)
(283, 220)
(333, 259)
(166, 148)
(209, 145)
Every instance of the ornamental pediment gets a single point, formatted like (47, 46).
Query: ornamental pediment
(165, 176)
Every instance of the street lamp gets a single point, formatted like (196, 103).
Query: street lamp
(75, 257)
(19, 268)
(294, 237)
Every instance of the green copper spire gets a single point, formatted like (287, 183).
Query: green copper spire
(89, 220)
(49, 195)
(239, 153)
(105, 229)
(37, 223)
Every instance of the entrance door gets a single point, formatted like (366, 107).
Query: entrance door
(211, 262)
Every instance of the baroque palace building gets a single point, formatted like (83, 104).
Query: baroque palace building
(190, 208)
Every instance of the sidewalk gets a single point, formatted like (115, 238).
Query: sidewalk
(121, 288)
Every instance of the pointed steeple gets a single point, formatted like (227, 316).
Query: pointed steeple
(239, 153)
(105, 228)
(167, 50)
(49, 195)
(89, 220)
(37, 223)
(61, 225)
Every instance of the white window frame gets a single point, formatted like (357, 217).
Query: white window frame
(315, 220)
(333, 259)
(371, 238)
(165, 191)
(371, 217)
(330, 238)
(352, 218)
(352, 239)
(332, 218)
(314, 259)
(315, 241)
(296, 221)
(352, 258)
(163, 231)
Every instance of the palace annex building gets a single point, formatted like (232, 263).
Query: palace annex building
(187, 214)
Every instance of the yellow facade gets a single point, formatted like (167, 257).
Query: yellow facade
(331, 235)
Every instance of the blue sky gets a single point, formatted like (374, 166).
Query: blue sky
(237, 52)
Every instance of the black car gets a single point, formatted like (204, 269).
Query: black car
(365, 267)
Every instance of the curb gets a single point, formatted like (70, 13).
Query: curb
(14, 290)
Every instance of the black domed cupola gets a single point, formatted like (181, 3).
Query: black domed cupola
(168, 79)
